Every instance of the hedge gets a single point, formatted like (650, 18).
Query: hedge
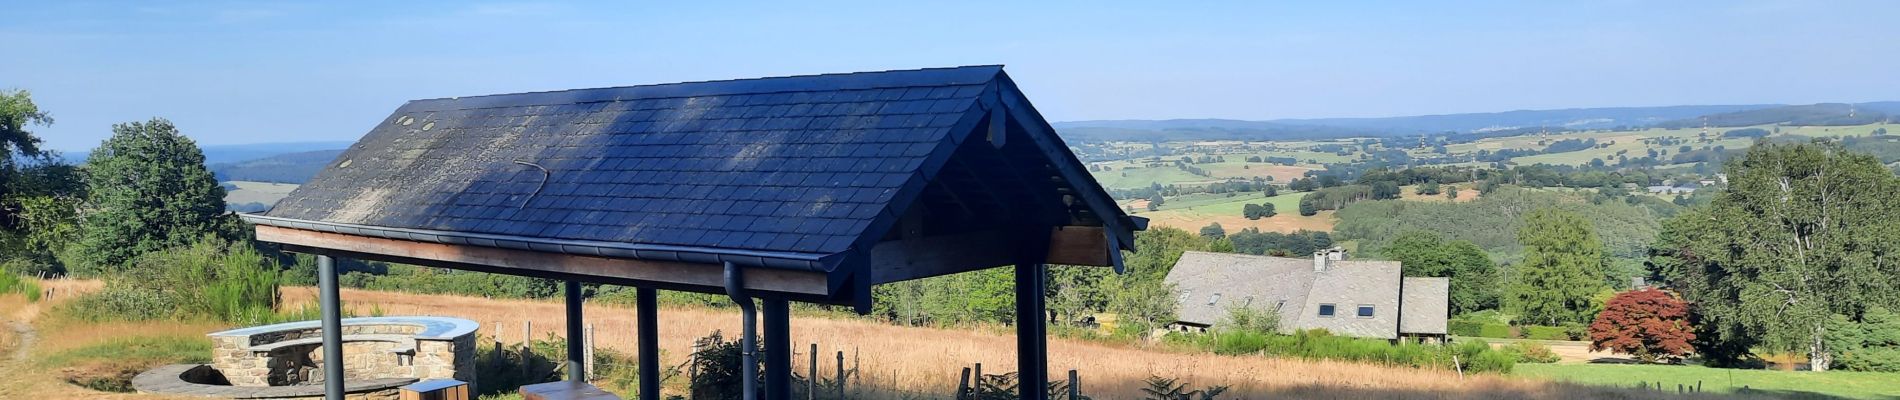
(1478, 329)
(1539, 332)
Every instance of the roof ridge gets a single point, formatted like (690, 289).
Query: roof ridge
(998, 67)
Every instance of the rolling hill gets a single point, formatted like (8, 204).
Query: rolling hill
(1825, 114)
(294, 168)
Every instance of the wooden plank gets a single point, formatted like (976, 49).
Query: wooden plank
(907, 259)
(901, 260)
(707, 277)
(1080, 245)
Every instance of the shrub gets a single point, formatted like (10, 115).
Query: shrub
(1319, 344)
(1540, 332)
(11, 283)
(210, 278)
(1463, 328)
(1530, 352)
(1649, 324)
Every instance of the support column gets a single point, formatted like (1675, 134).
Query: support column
(1032, 346)
(778, 349)
(649, 327)
(576, 331)
(332, 310)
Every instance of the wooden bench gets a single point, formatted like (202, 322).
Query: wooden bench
(565, 390)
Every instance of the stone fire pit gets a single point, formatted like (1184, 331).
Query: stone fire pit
(286, 360)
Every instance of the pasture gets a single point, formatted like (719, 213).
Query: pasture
(257, 192)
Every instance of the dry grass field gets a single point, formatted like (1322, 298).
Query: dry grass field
(895, 362)
(257, 192)
(908, 362)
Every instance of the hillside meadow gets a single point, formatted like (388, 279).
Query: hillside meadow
(894, 362)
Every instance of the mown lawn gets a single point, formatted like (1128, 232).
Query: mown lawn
(1833, 384)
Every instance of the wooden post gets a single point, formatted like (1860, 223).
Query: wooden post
(811, 381)
(1075, 390)
(589, 354)
(841, 376)
(976, 383)
(1458, 366)
(963, 383)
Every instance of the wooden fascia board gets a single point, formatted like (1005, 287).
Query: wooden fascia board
(705, 278)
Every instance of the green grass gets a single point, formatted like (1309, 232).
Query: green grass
(1856, 385)
(161, 349)
(1143, 177)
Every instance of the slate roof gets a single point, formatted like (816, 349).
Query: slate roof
(1425, 308)
(1210, 284)
(799, 166)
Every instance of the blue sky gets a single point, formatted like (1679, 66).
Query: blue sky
(238, 72)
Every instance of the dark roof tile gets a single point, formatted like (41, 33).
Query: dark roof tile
(794, 164)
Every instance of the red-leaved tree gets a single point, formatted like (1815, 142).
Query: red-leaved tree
(1650, 324)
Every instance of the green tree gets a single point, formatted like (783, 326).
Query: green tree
(17, 112)
(1213, 231)
(1801, 233)
(1451, 192)
(1562, 269)
(1870, 344)
(150, 191)
(1428, 188)
(1309, 205)
(1385, 190)
(1473, 275)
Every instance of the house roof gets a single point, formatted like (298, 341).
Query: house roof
(1265, 282)
(790, 172)
(1238, 278)
(1426, 306)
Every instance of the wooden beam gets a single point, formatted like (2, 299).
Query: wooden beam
(686, 276)
(1080, 245)
(907, 259)
(902, 260)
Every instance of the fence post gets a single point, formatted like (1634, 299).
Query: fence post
(976, 381)
(1075, 390)
(811, 381)
(589, 354)
(963, 383)
(527, 351)
(841, 376)
(1458, 366)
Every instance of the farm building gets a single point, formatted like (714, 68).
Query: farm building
(806, 188)
(1347, 297)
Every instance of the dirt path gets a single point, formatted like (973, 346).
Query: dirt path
(25, 338)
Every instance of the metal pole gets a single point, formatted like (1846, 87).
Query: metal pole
(649, 321)
(778, 349)
(576, 367)
(749, 341)
(1032, 354)
(332, 310)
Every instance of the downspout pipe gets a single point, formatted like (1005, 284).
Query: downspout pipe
(749, 341)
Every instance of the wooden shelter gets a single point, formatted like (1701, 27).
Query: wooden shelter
(805, 188)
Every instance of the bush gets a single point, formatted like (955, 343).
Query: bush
(1539, 332)
(1319, 344)
(211, 278)
(1530, 352)
(1471, 328)
(11, 283)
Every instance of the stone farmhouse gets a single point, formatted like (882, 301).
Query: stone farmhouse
(1369, 299)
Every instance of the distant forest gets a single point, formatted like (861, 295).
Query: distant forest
(294, 168)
